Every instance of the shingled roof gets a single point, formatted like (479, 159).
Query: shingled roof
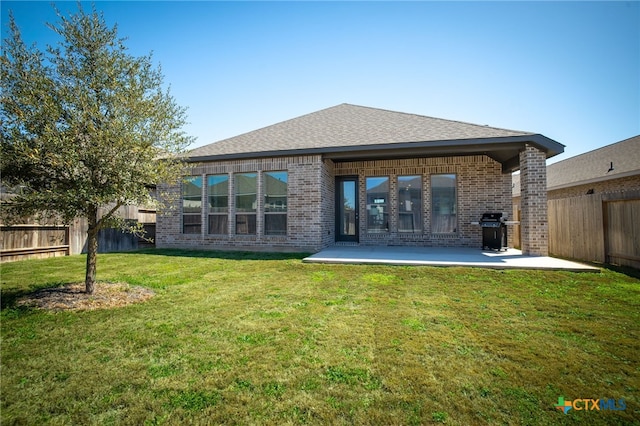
(350, 128)
(593, 166)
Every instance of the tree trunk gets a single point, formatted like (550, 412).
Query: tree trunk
(92, 251)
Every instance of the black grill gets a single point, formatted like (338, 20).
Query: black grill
(494, 231)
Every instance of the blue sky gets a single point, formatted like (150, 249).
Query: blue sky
(568, 70)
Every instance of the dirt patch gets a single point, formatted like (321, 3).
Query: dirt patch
(71, 297)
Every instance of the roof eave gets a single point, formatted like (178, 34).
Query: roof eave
(549, 146)
(493, 147)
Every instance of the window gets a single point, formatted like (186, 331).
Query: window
(409, 203)
(218, 203)
(192, 205)
(246, 202)
(443, 204)
(275, 203)
(377, 204)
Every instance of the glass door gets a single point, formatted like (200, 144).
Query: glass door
(347, 208)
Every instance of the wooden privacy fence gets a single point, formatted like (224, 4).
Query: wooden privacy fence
(35, 241)
(622, 232)
(576, 228)
(602, 228)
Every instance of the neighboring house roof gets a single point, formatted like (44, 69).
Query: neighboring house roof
(349, 131)
(593, 166)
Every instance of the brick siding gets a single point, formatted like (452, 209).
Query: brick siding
(481, 187)
(533, 202)
(304, 225)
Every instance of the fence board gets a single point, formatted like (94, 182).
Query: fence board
(24, 236)
(33, 241)
(514, 232)
(623, 232)
(576, 228)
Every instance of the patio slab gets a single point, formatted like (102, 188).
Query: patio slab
(436, 256)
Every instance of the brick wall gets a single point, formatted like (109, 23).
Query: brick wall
(328, 196)
(305, 226)
(533, 202)
(481, 187)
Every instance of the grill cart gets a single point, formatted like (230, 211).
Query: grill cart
(494, 231)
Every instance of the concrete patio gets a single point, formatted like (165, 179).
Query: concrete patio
(437, 256)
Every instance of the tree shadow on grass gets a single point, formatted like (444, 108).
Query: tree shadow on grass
(9, 297)
(226, 255)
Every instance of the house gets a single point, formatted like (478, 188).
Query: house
(357, 175)
(593, 199)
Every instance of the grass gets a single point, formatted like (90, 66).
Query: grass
(241, 338)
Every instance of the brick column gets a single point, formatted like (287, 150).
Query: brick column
(533, 189)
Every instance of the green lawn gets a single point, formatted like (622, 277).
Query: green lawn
(266, 339)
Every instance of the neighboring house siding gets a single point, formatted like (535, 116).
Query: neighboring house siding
(630, 183)
(481, 187)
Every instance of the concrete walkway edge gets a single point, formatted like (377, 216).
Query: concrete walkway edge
(437, 256)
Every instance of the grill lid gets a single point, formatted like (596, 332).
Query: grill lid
(491, 224)
(493, 217)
